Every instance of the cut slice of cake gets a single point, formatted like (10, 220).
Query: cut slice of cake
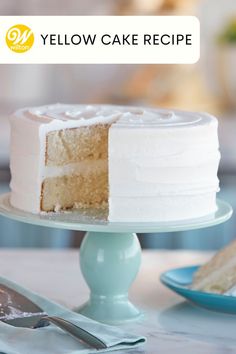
(219, 274)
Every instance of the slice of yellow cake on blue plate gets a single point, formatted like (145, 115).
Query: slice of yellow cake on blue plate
(219, 274)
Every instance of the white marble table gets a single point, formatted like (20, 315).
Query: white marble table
(170, 324)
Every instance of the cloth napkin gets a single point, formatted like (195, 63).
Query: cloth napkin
(52, 340)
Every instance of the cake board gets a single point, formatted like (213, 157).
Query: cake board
(110, 254)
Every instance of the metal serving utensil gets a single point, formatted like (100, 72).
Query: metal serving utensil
(17, 310)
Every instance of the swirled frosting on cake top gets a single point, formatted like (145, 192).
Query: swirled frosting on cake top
(122, 115)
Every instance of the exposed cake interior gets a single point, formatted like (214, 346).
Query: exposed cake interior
(76, 168)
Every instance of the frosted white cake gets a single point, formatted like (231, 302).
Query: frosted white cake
(144, 164)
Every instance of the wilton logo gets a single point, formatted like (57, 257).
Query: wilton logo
(19, 38)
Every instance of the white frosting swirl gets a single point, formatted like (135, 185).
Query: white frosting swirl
(122, 115)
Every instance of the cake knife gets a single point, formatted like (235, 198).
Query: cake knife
(17, 310)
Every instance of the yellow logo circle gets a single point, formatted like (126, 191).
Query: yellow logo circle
(19, 38)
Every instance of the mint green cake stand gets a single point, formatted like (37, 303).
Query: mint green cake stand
(110, 254)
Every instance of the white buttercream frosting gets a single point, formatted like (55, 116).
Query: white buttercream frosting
(59, 113)
(231, 292)
(162, 163)
(86, 167)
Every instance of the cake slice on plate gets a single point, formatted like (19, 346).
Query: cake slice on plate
(219, 274)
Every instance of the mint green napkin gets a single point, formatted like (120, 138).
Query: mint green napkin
(48, 340)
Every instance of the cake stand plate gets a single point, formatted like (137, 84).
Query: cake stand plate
(110, 254)
(96, 220)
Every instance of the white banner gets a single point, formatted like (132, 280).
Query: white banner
(99, 39)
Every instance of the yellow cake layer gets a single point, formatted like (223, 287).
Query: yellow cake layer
(67, 192)
(219, 274)
(220, 283)
(76, 168)
(218, 261)
(77, 144)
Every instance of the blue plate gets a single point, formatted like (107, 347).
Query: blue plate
(179, 280)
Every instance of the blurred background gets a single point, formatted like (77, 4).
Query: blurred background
(209, 85)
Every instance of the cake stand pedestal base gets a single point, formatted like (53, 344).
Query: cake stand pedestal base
(110, 253)
(109, 263)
